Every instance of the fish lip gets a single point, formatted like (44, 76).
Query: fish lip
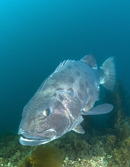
(32, 142)
(27, 137)
(33, 135)
(30, 139)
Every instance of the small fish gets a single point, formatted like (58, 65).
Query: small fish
(61, 100)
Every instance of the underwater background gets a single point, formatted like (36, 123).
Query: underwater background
(35, 36)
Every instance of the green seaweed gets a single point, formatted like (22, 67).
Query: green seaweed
(49, 156)
(123, 131)
(121, 154)
(110, 143)
(119, 101)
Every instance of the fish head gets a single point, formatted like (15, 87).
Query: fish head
(43, 120)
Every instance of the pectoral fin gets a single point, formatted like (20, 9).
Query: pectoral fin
(101, 109)
(79, 129)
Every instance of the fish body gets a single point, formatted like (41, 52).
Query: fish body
(68, 93)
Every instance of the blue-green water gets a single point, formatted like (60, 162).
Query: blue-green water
(35, 36)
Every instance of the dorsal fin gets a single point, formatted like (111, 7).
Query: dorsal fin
(65, 62)
(90, 60)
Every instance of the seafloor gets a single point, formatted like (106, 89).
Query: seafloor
(103, 145)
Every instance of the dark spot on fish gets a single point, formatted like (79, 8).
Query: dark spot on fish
(71, 90)
(62, 72)
(61, 98)
(91, 92)
(80, 96)
(71, 80)
(54, 94)
(59, 89)
(86, 73)
(86, 84)
(59, 105)
(78, 73)
(54, 84)
(75, 65)
(69, 67)
(81, 86)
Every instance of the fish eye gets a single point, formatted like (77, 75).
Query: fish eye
(46, 112)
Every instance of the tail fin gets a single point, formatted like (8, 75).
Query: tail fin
(109, 74)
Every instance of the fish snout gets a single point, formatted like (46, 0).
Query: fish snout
(21, 131)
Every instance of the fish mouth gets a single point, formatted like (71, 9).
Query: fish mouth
(33, 140)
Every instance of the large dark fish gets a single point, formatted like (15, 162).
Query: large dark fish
(67, 94)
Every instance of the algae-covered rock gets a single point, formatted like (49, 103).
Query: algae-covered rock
(110, 143)
(121, 154)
